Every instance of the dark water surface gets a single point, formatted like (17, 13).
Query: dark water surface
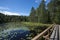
(14, 32)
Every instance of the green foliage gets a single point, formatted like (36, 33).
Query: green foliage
(35, 28)
(57, 13)
(54, 10)
(40, 14)
(31, 24)
(12, 18)
(2, 18)
(49, 15)
(33, 16)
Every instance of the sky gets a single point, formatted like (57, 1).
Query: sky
(18, 7)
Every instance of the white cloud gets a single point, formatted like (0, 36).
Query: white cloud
(4, 8)
(45, 0)
(4, 11)
(14, 13)
(9, 13)
(24, 14)
(37, 1)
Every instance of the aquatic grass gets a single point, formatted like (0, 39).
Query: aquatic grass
(31, 24)
(35, 24)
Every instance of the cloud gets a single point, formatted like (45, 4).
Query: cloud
(9, 13)
(24, 14)
(4, 8)
(4, 11)
(14, 13)
(45, 0)
(37, 1)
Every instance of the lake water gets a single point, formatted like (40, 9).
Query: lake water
(14, 31)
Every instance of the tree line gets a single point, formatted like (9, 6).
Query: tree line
(12, 18)
(49, 13)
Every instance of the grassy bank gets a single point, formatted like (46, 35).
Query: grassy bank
(35, 28)
(33, 25)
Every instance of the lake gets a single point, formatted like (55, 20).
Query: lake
(14, 31)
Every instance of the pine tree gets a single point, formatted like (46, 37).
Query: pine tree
(33, 15)
(57, 13)
(53, 7)
(43, 15)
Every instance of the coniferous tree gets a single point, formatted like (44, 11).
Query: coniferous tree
(57, 13)
(40, 14)
(43, 15)
(32, 15)
(52, 9)
(2, 18)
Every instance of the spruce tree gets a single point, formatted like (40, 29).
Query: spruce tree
(43, 15)
(52, 9)
(32, 15)
(57, 13)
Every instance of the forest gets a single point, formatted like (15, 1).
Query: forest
(49, 13)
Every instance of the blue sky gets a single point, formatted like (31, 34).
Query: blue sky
(18, 7)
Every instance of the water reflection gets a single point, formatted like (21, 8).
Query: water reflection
(14, 35)
(21, 33)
